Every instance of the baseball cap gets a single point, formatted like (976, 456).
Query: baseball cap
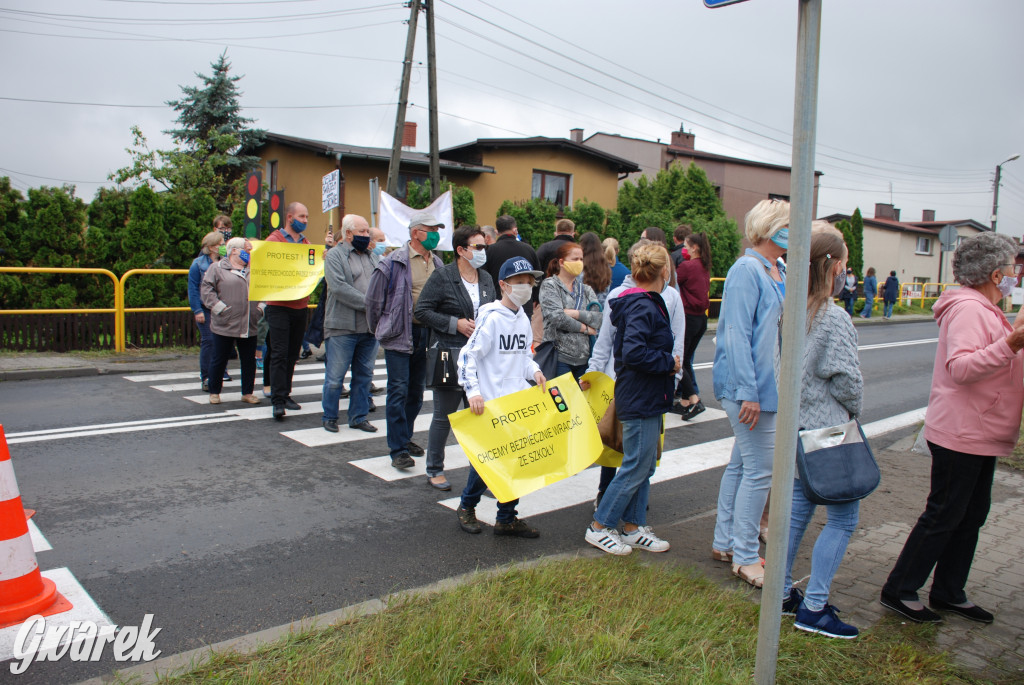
(515, 266)
(424, 219)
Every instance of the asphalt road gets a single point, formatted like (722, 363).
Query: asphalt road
(222, 529)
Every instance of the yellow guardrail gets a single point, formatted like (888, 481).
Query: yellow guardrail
(908, 291)
(118, 297)
(133, 272)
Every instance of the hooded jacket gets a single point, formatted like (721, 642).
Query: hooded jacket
(644, 381)
(976, 399)
(497, 359)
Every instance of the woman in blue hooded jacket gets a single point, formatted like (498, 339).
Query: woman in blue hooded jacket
(645, 371)
(745, 374)
(209, 253)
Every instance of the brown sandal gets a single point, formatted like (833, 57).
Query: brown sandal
(725, 557)
(753, 574)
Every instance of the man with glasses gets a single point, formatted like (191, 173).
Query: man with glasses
(394, 288)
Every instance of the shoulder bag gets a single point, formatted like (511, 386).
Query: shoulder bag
(442, 368)
(836, 464)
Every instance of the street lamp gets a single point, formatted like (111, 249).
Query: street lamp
(995, 191)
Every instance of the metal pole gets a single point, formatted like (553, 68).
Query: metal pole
(794, 326)
(435, 160)
(403, 99)
(995, 197)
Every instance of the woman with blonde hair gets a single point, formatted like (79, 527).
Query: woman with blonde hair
(645, 369)
(209, 253)
(611, 255)
(745, 375)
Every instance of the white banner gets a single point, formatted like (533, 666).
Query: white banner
(395, 216)
(329, 191)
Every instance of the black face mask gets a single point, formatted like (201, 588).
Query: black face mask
(360, 242)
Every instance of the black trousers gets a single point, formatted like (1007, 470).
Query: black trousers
(222, 348)
(287, 327)
(946, 534)
(696, 326)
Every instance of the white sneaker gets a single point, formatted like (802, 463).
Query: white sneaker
(644, 538)
(607, 540)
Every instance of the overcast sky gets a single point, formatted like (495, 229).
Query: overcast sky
(923, 97)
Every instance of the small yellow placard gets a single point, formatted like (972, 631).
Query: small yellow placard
(284, 271)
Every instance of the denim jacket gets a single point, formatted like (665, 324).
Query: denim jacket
(749, 334)
(195, 279)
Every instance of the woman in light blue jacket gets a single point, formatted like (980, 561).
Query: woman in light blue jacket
(745, 380)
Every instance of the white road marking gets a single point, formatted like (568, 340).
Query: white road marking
(39, 541)
(154, 377)
(216, 418)
(317, 437)
(676, 463)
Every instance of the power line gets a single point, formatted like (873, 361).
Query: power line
(46, 178)
(164, 106)
(176, 21)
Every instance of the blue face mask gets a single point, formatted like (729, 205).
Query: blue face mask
(298, 226)
(781, 238)
(244, 256)
(379, 249)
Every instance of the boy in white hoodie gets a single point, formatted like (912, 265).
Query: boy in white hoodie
(497, 361)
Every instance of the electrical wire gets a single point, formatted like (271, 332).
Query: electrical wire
(164, 106)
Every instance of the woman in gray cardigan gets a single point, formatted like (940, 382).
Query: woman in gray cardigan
(831, 394)
(447, 306)
(564, 302)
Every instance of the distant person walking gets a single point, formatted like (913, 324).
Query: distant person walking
(694, 279)
(849, 294)
(890, 294)
(870, 291)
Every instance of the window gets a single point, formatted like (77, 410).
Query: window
(405, 178)
(924, 246)
(551, 186)
(776, 196)
(272, 175)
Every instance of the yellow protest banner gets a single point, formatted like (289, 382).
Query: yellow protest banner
(284, 271)
(599, 395)
(529, 439)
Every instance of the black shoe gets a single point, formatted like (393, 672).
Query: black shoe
(415, 450)
(364, 426)
(374, 390)
(304, 354)
(373, 407)
(321, 357)
(206, 385)
(289, 403)
(693, 410)
(518, 528)
(467, 519)
(331, 425)
(279, 412)
(678, 408)
(973, 613)
(402, 461)
(345, 392)
(793, 602)
(923, 615)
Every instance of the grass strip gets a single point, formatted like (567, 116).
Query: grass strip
(580, 621)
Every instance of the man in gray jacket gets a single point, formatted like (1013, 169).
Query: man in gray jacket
(348, 268)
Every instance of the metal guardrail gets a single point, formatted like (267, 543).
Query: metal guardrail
(131, 310)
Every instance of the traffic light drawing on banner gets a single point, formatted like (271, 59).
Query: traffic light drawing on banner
(253, 189)
(276, 210)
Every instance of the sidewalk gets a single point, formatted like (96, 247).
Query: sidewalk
(22, 366)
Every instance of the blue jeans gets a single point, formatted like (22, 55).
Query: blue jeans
(829, 548)
(474, 490)
(745, 485)
(848, 304)
(356, 350)
(627, 495)
(869, 304)
(446, 401)
(407, 374)
(205, 346)
(888, 309)
(576, 370)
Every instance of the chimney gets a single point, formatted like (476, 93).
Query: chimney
(682, 139)
(884, 211)
(409, 135)
(928, 215)
(576, 135)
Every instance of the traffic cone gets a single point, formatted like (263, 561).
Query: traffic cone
(23, 590)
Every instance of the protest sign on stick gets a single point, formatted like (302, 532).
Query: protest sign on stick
(284, 271)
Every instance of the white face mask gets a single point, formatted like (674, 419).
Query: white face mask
(519, 293)
(1007, 285)
(478, 258)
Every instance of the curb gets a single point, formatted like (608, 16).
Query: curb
(176, 664)
(41, 374)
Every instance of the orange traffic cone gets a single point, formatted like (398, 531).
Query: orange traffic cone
(23, 590)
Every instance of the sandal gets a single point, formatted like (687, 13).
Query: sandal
(725, 557)
(753, 574)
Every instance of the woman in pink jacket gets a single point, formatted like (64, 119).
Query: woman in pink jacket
(974, 413)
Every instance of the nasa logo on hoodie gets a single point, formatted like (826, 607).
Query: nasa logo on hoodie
(511, 343)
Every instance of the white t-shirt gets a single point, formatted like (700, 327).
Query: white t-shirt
(474, 295)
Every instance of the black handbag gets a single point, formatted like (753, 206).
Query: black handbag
(442, 368)
(546, 356)
(836, 464)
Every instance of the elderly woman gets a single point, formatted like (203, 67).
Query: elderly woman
(225, 292)
(974, 412)
(745, 382)
(448, 306)
(208, 254)
(564, 302)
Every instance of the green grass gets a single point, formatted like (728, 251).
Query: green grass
(578, 621)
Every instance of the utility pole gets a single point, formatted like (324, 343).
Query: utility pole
(403, 99)
(435, 160)
(995, 190)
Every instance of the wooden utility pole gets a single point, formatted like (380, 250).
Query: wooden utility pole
(435, 160)
(403, 99)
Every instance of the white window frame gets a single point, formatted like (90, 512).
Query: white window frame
(928, 248)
